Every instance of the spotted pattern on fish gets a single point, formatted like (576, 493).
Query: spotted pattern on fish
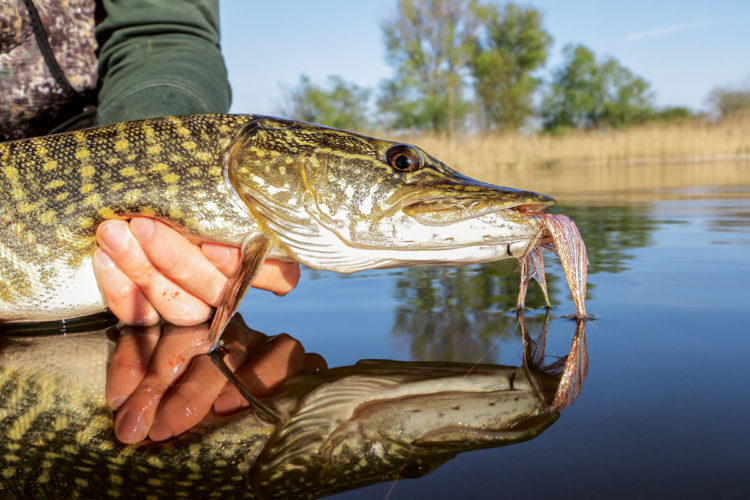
(340, 428)
(48, 422)
(327, 198)
(57, 189)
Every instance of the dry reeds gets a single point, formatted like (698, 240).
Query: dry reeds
(693, 140)
(630, 162)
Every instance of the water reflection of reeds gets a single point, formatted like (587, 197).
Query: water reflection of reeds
(648, 182)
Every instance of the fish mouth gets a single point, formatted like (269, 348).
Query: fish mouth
(449, 209)
(523, 430)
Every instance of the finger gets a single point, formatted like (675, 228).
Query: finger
(174, 303)
(279, 359)
(171, 357)
(190, 400)
(179, 259)
(130, 362)
(277, 276)
(122, 295)
(224, 257)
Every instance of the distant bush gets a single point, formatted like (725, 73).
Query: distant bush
(673, 114)
(338, 104)
(727, 102)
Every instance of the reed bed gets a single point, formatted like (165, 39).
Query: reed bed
(630, 164)
(653, 143)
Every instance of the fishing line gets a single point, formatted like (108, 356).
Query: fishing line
(487, 352)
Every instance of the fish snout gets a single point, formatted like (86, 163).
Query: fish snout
(467, 204)
(525, 201)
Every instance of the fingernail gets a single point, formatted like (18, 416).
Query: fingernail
(130, 428)
(159, 432)
(142, 227)
(103, 260)
(115, 235)
(227, 402)
(116, 403)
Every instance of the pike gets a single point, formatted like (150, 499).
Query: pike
(341, 428)
(277, 188)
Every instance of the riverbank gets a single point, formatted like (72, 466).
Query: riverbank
(627, 183)
(684, 142)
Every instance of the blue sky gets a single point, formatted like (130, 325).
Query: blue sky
(683, 48)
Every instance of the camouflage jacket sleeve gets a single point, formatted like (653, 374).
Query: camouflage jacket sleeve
(160, 58)
(32, 101)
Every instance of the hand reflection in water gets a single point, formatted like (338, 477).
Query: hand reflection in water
(161, 384)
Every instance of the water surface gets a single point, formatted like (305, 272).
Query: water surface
(664, 409)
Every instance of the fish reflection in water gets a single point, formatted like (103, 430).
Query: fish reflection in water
(342, 428)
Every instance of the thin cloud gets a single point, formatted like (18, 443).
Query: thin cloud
(663, 31)
(678, 28)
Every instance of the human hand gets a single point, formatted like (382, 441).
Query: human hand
(161, 385)
(146, 269)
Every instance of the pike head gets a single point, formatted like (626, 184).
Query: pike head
(381, 420)
(345, 202)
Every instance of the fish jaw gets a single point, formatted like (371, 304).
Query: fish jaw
(459, 197)
(493, 236)
(465, 223)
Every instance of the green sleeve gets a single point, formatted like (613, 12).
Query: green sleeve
(160, 57)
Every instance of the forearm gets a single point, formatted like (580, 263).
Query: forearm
(160, 58)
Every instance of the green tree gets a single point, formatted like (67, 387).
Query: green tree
(339, 104)
(512, 46)
(587, 94)
(727, 102)
(428, 44)
(628, 98)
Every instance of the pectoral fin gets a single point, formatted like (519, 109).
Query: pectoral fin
(254, 250)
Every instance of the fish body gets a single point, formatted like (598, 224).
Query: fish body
(341, 428)
(327, 198)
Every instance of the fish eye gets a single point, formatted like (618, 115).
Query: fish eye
(404, 158)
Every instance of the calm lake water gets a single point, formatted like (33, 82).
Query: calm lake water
(665, 406)
(664, 409)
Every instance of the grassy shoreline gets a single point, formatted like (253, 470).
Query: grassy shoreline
(689, 141)
(677, 160)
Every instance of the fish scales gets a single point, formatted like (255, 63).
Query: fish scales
(81, 434)
(57, 417)
(58, 188)
(327, 198)
(340, 428)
